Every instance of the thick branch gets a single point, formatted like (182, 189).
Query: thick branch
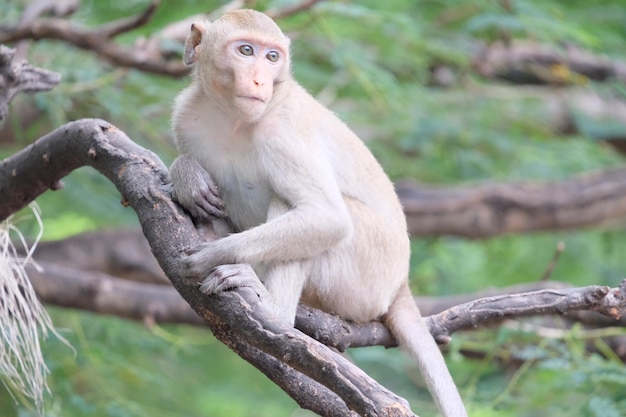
(495, 209)
(141, 178)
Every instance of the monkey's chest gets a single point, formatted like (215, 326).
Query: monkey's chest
(246, 194)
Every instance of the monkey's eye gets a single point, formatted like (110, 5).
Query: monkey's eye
(246, 50)
(272, 56)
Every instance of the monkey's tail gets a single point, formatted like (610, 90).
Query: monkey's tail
(405, 321)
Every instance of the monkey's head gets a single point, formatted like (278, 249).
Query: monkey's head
(240, 60)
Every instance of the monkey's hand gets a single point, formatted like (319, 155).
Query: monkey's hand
(203, 259)
(194, 189)
(226, 277)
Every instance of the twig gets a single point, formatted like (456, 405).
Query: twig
(117, 27)
(291, 9)
(560, 248)
(21, 78)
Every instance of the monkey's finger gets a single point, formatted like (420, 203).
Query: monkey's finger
(211, 211)
(227, 277)
(211, 196)
(214, 189)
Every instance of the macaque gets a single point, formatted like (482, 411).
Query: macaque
(312, 215)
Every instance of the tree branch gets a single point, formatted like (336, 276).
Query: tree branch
(145, 55)
(98, 40)
(234, 317)
(494, 209)
(292, 9)
(21, 78)
(105, 294)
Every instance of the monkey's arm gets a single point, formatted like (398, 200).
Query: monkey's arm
(316, 220)
(194, 189)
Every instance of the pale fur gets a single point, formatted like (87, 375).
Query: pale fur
(315, 213)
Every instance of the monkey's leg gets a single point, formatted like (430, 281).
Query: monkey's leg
(284, 283)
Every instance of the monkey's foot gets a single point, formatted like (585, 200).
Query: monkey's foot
(226, 277)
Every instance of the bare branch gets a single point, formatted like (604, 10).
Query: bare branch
(117, 27)
(145, 55)
(332, 331)
(41, 7)
(21, 78)
(98, 40)
(102, 293)
(292, 9)
(494, 209)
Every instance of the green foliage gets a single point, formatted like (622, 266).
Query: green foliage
(371, 62)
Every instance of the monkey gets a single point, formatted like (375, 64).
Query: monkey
(307, 212)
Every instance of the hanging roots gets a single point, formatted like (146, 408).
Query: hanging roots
(22, 319)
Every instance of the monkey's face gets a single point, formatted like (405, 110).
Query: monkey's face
(255, 67)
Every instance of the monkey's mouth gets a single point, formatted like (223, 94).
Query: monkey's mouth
(252, 98)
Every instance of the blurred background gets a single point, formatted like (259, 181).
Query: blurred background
(444, 93)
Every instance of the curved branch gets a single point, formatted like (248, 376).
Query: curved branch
(98, 40)
(234, 317)
(117, 27)
(145, 55)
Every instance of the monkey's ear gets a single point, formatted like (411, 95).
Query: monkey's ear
(193, 39)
